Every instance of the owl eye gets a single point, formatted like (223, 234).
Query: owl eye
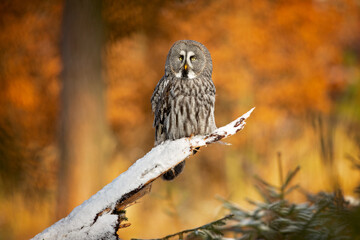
(192, 58)
(181, 57)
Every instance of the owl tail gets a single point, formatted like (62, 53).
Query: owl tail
(173, 172)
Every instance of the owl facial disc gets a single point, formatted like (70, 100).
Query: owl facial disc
(186, 71)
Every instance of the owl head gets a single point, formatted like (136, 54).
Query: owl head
(188, 59)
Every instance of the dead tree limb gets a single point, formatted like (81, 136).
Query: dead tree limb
(100, 216)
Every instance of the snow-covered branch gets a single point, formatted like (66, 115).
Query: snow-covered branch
(100, 216)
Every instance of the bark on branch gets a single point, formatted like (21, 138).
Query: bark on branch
(100, 216)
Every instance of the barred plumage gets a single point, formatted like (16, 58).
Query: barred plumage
(183, 100)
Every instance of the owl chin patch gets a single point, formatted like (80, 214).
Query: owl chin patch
(189, 74)
(185, 73)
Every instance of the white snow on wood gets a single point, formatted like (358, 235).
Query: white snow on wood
(85, 222)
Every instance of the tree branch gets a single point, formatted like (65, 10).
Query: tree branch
(100, 216)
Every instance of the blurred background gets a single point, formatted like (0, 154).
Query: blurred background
(76, 79)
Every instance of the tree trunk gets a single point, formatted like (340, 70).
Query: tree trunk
(84, 138)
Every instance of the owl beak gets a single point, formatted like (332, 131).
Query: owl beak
(186, 66)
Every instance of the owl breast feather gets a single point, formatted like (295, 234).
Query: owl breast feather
(187, 109)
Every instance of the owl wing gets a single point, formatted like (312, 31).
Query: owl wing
(159, 108)
(157, 94)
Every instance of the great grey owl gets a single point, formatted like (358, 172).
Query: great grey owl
(184, 98)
